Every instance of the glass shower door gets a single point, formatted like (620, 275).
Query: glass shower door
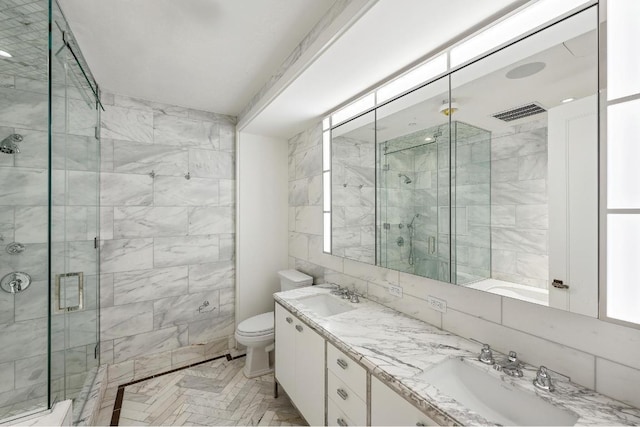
(74, 222)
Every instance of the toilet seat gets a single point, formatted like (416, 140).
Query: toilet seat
(257, 326)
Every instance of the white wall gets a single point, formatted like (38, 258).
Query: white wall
(261, 218)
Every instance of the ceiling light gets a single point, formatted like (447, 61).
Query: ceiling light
(526, 70)
(564, 101)
(5, 54)
(428, 139)
(449, 108)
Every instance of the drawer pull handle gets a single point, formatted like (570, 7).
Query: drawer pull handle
(299, 328)
(341, 422)
(289, 320)
(420, 424)
(343, 394)
(342, 363)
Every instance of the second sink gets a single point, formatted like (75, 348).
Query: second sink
(493, 399)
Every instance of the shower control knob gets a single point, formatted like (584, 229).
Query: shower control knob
(15, 282)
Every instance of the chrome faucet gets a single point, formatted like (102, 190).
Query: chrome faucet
(337, 290)
(486, 355)
(510, 366)
(543, 380)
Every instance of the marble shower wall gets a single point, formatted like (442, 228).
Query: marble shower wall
(519, 205)
(167, 240)
(595, 354)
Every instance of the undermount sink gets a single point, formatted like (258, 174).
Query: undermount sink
(492, 398)
(325, 305)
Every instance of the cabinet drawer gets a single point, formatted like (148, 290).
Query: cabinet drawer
(337, 417)
(350, 403)
(347, 370)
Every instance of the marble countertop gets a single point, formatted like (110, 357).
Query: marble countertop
(397, 349)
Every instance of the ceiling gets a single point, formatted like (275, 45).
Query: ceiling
(393, 34)
(212, 55)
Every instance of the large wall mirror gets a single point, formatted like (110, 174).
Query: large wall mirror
(485, 178)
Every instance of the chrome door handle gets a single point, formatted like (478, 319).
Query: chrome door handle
(299, 328)
(343, 394)
(342, 363)
(341, 422)
(289, 320)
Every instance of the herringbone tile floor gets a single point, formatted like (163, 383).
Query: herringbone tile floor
(214, 393)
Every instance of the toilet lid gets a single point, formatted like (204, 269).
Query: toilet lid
(257, 325)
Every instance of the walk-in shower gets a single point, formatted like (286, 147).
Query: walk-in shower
(49, 168)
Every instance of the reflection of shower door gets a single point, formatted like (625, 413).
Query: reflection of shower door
(407, 208)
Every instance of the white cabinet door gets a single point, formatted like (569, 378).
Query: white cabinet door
(300, 365)
(309, 374)
(388, 408)
(285, 349)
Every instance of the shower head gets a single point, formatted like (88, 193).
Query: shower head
(406, 179)
(413, 219)
(9, 146)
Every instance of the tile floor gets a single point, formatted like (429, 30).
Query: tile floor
(213, 393)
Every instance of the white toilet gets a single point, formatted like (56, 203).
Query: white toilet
(257, 334)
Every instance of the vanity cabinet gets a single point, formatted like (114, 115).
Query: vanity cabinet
(346, 389)
(300, 365)
(389, 408)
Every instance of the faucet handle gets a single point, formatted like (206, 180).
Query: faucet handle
(355, 298)
(543, 379)
(486, 355)
(513, 357)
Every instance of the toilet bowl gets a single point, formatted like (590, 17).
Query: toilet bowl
(257, 332)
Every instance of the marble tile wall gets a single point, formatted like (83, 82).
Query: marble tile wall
(353, 198)
(167, 240)
(472, 202)
(596, 354)
(519, 205)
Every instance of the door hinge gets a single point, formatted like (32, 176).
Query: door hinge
(97, 132)
(95, 243)
(96, 350)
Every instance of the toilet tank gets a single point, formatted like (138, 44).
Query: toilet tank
(291, 279)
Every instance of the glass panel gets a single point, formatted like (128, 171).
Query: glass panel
(326, 185)
(623, 61)
(327, 232)
(413, 78)
(623, 152)
(413, 180)
(353, 109)
(623, 247)
(23, 208)
(326, 150)
(512, 27)
(525, 163)
(353, 189)
(74, 221)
